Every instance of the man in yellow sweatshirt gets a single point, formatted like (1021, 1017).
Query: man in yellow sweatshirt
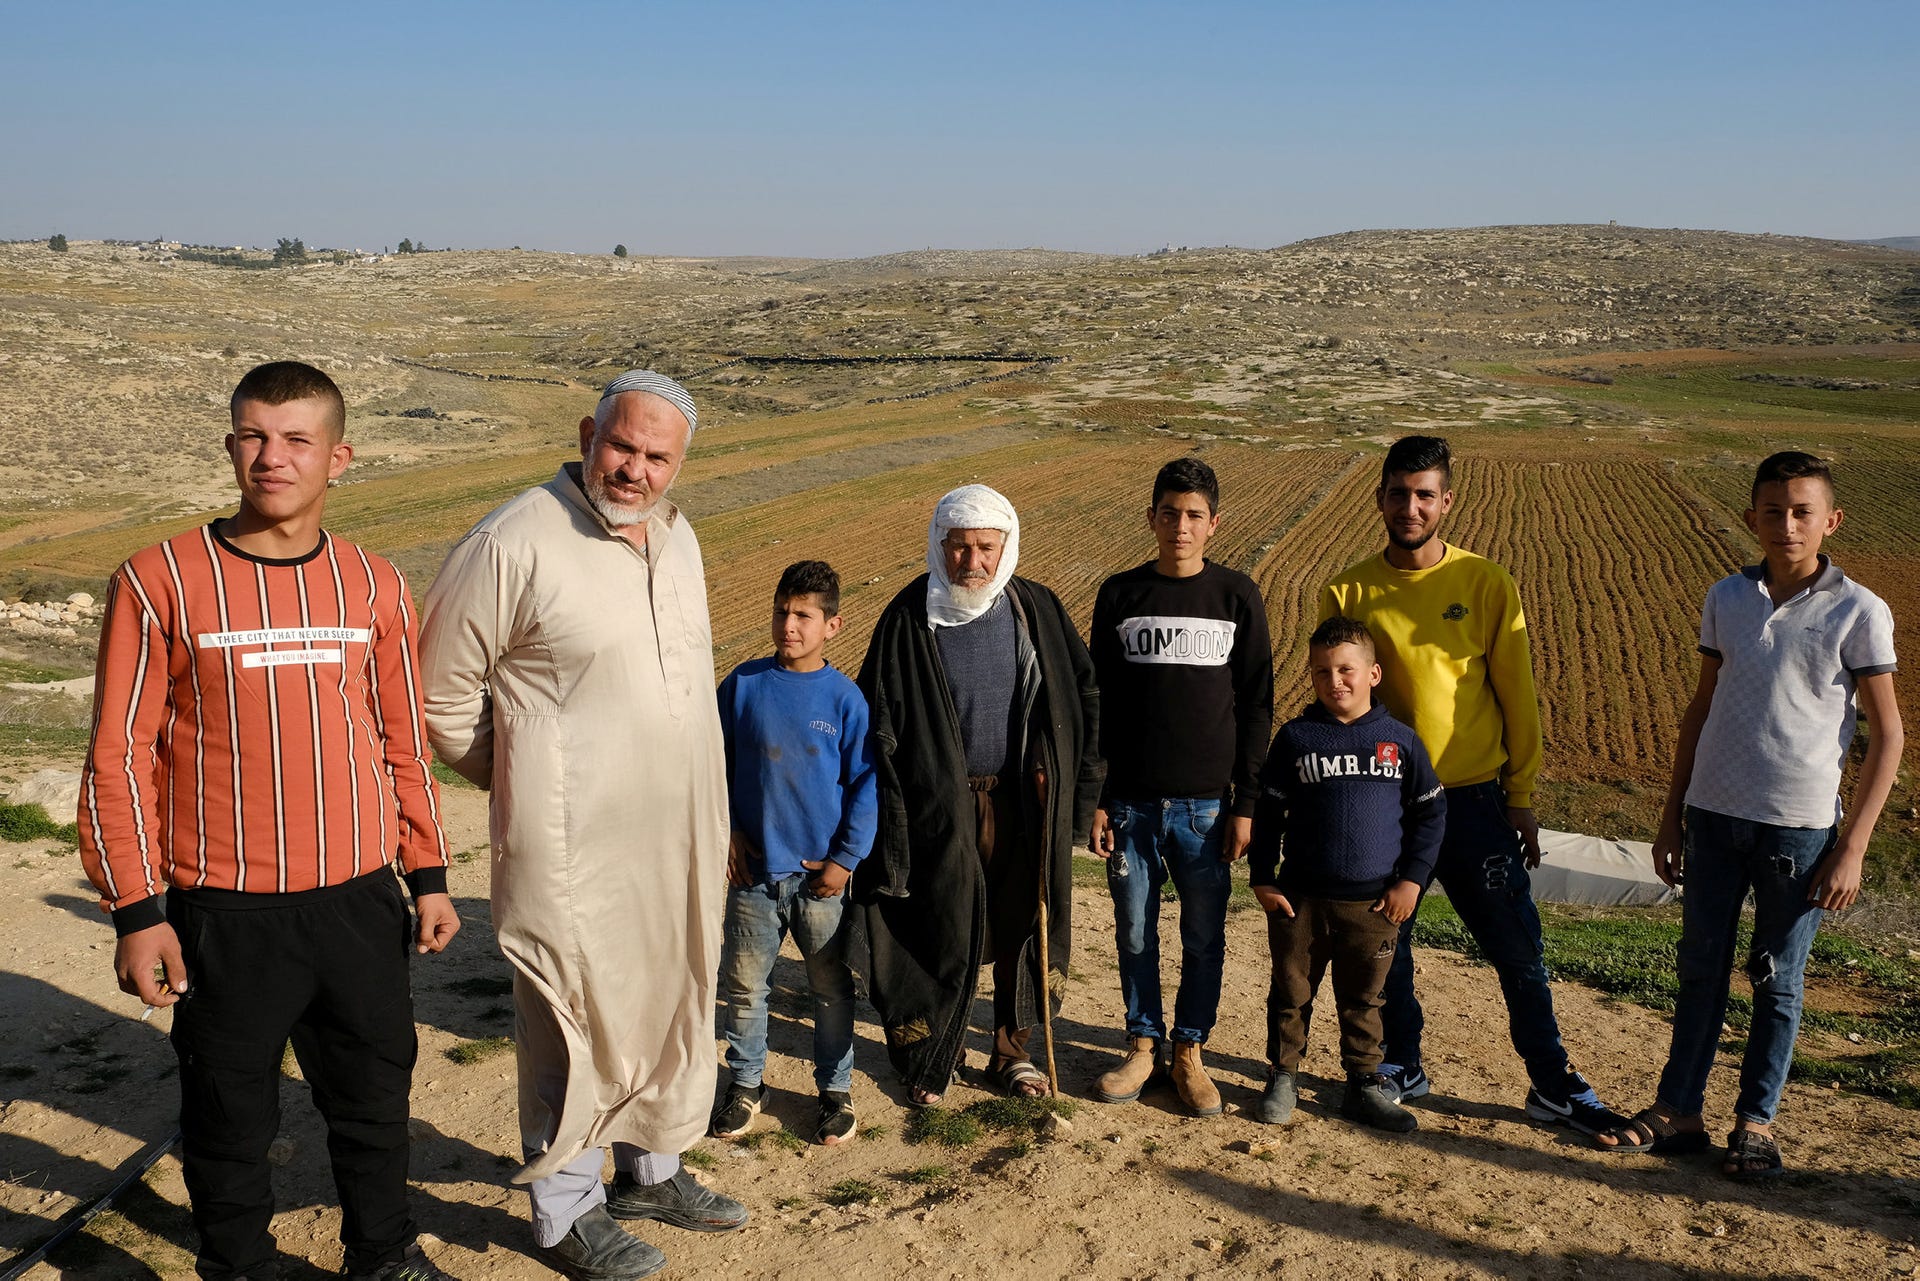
(1456, 667)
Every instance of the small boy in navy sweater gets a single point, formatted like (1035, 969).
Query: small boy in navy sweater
(1354, 796)
(801, 787)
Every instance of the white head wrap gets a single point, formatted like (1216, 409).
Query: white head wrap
(654, 385)
(968, 507)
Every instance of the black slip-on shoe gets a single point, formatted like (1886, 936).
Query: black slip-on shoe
(680, 1201)
(598, 1249)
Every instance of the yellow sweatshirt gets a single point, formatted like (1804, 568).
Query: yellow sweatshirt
(1454, 661)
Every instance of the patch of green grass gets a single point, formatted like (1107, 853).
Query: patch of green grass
(780, 1137)
(943, 1127)
(1805, 389)
(14, 670)
(464, 857)
(854, 1192)
(699, 1159)
(470, 1052)
(1020, 1117)
(64, 739)
(30, 823)
(928, 1176)
(1629, 953)
(789, 1203)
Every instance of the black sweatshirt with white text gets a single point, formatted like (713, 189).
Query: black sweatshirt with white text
(1186, 684)
(1357, 806)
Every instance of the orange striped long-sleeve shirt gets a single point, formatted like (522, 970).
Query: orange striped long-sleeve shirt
(257, 727)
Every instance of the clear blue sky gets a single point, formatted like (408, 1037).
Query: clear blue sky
(852, 129)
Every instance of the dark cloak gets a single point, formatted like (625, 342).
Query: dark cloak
(922, 895)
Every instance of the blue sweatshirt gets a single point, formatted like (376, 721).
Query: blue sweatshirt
(1358, 807)
(799, 769)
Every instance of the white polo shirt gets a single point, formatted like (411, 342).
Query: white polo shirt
(1783, 711)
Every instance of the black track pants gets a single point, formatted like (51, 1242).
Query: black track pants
(327, 969)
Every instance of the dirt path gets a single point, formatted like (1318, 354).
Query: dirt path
(1135, 1190)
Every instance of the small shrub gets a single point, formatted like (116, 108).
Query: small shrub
(57, 242)
(470, 1052)
(928, 1176)
(30, 823)
(853, 1192)
(943, 1127)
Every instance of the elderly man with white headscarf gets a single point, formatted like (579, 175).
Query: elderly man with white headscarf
(985, 721)
(569, 668)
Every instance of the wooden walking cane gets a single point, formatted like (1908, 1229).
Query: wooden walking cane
(1046, 967)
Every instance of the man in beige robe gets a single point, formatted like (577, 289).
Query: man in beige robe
(569, 668)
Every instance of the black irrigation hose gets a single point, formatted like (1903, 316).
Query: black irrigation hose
(141, 1165)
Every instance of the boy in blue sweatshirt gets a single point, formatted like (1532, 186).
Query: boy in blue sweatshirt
(801, 787)
(1354, 796)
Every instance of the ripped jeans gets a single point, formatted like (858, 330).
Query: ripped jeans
(1724, 858)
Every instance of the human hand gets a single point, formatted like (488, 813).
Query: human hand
(1521, 819)
(437, 923)
(1670, 851)
(1272, 900)
(739, 866)
(1836, 879)
(828, 879)
(138, 955)
(1100, 840)
(1234, 843)
(1398, 902)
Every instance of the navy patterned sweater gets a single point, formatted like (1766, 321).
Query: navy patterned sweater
(1357, 807)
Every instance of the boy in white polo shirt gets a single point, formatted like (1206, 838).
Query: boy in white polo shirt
(1788, 647)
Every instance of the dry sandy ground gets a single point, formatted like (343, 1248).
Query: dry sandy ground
(1135, 1190)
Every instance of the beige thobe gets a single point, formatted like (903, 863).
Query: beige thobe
(572, 673)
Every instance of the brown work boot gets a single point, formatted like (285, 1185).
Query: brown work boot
(1197, 1090)
(1124, 1083)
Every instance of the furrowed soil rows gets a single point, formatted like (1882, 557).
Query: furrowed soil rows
(1611, 560)
(1335, 527)
(1082, 508)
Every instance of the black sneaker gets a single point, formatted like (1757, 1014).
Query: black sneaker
(414, 1265)
(1276, 1102)
(1573, 1103)
(1370, 1101)
(734, 1116)
(598, 1249)
(837, 1122)
(680, 1201)
(1406, 1082)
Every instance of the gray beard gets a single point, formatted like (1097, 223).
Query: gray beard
(615, 514)
(972, 599)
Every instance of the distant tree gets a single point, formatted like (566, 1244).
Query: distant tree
(57, 242)
(290, 251)
(619, 251)
(406, 246)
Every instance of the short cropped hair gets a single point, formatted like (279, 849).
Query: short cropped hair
(1412, 454)
(1188, 475)
(1341, 630)
(1791, 464)
(279, 382)
(810, 578)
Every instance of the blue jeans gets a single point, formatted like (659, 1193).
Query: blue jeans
(758, 918)
(1176, 837)
(1724, 858)
(1483, 868)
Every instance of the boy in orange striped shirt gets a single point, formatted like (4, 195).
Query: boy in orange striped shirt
(258, 754)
